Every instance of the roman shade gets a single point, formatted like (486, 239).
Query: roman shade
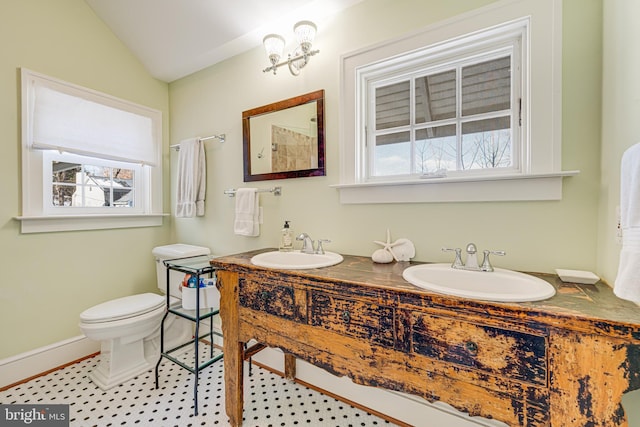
(89, 124)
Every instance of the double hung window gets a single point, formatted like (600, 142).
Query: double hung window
(89, 160)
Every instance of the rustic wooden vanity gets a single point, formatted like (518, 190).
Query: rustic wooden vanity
(565, 361)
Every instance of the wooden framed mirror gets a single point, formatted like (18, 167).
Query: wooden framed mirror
(284, 139)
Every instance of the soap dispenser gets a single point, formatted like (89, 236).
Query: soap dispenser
(286, 239)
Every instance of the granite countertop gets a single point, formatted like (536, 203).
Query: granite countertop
(590, 308)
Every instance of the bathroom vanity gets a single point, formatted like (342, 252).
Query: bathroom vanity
(565, 361)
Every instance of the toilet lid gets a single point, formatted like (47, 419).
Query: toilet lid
(122, 308)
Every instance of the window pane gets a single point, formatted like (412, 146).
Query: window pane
(486, 86)
(436, 97)
(392, 105)
(94, 196)
(62, 195)
(435, 149)
(65, 172)
(123, 199)
(392, 154)
(123, 184)
(98, 186)
(487, 144)
(98, 172)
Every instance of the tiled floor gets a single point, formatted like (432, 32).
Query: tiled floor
(270, 400)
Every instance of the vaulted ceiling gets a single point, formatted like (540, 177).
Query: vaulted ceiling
(174, 38)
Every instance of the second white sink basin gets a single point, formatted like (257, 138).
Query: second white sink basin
(498, 285)
(296, 260)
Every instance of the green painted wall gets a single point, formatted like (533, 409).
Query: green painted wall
(537, 236)
(620, 112)
(47, 280)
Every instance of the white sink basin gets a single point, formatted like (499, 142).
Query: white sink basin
(296, 260)
(498, 285)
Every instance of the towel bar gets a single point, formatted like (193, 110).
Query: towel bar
(277, 191)
(222, 137)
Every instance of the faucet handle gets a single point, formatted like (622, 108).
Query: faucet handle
(457, 263)
(320, 249)
(486, 263)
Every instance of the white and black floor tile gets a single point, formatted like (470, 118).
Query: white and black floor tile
(270, 400)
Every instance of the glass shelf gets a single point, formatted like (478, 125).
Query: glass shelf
(192, 314)
(193, 265)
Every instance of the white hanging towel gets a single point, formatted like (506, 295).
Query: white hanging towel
(627, 284)
(192, 178)
(247, 222)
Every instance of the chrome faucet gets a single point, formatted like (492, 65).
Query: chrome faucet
(307, 244)
(472, 258)
(471, 263)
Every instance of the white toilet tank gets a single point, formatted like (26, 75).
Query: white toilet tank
(178, 250)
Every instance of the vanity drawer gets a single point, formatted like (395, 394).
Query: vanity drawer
(267, 298)
(348, 317)
(511, 354)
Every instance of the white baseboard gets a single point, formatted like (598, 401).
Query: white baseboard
(25, 365)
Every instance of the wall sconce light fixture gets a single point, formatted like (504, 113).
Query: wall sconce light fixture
(274, 45)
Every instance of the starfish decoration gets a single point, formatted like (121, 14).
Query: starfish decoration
(387, 245)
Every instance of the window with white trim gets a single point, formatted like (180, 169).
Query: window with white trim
(466, 110)
(449, 110)
(450, 117)
(90, 160)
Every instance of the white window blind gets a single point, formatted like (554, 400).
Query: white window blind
(89, 124)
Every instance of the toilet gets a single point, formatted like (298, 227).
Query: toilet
(128, 328)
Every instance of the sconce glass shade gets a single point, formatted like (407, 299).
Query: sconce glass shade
(274, 45)
(305, 32)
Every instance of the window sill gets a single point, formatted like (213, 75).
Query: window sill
(45, 224)
(460, 189)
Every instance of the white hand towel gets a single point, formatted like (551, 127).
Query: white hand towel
(192, 178)
(627, 284)
(247, 212)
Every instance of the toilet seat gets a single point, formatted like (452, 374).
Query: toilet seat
(123, 308)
